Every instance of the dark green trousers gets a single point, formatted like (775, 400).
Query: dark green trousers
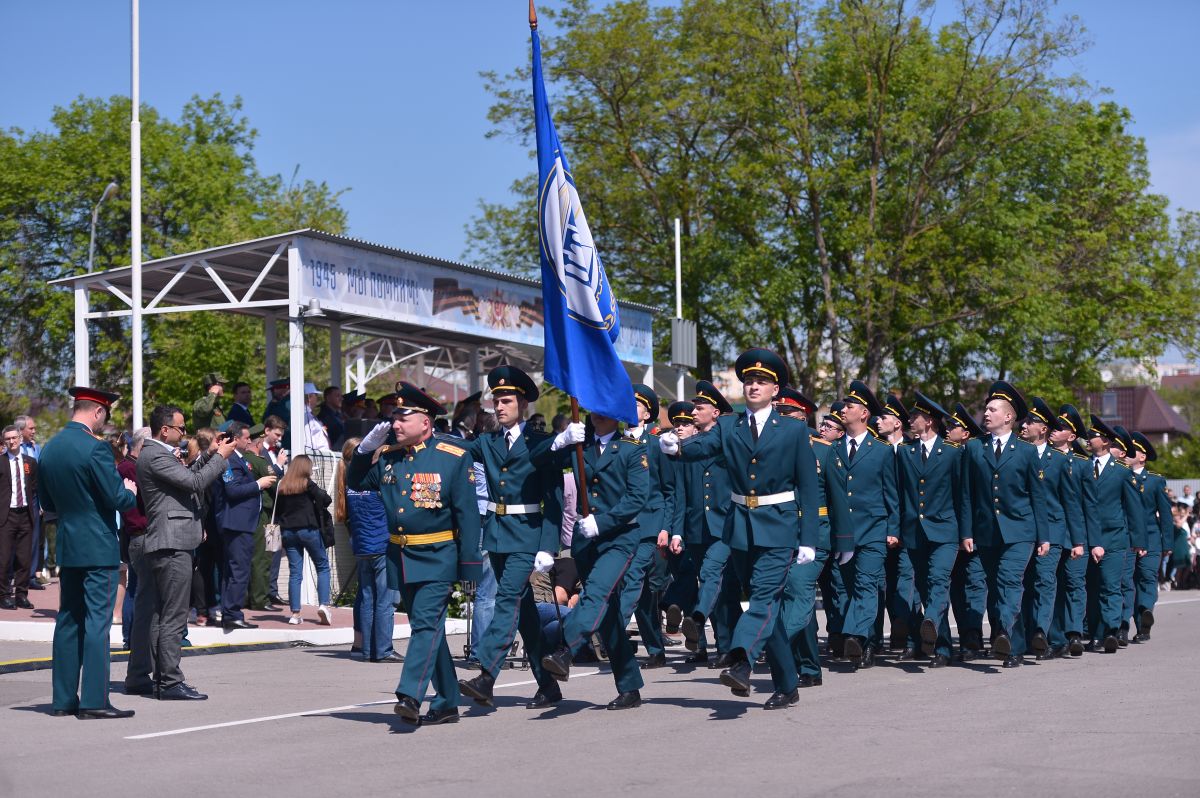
(81, 637)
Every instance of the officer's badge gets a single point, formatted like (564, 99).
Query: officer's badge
(645, 462)
(471, 476)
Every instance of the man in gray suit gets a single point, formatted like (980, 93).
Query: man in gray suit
(162, 556)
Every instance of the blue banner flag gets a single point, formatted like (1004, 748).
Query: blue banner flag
(582, 320)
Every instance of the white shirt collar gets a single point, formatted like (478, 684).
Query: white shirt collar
(1041, 447)
(760, 416)
(1139, 469)
(858, 439)
(929, 444)
(604, 439)
(12, 456)
(519, 427)
(1103, 459)
(1002, 438)
(165, 445)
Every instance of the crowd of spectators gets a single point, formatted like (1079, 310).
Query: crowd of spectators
(1181, 563)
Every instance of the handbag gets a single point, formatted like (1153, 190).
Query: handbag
(271, 531)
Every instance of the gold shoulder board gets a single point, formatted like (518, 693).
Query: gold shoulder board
(454, 450)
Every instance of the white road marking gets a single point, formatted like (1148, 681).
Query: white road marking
(326, 711)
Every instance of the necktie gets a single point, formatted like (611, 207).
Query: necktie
(999, 449)
(1096, 468)
(16, 463)
(510, 437)
(853, 449)
(924, 453)
(754, 428)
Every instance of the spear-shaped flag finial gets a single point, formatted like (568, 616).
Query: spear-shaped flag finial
(532, 16)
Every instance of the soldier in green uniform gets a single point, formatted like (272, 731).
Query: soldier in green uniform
(1112, 508)
(773, 522)
(1160, 529)
(428, 488)
(1070, 604)
(522, 473)
(261, 588)
(616, 481)
(968, 585)
(206, 412)
(900, 596)
(79, 482)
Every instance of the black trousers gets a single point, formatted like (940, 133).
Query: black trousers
(235, 576)
(16, 553)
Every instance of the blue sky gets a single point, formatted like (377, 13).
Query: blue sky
(384, 98)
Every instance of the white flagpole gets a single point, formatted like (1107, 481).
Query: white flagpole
(135, 167)
(678, 303)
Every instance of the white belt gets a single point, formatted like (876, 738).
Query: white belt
(513, 509)
(762, 501)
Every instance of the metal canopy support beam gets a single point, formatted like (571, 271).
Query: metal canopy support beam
(295, 352)
(83, 375)
(473, 374)
(335, 354)
(271, 338)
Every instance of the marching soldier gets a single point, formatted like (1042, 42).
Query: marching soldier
(616, 481)
(1160, 529)
(900, 596)
(644, 580)
(521, 472)
(833, 591)
(681, 593)
(428, 488)
(772, 474)
(968, 585)
(1112, 508)
(800, 597)
(78, 480)
(1064, 523)
(1070, 604)
(864, 475)
(706, 482)
(934, 520)
(1007, 490)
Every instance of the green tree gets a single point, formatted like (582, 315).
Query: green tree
(200, 188)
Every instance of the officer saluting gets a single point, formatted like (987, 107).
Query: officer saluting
(79, 481)
(428, 488)
(773, 476)
(521, 473)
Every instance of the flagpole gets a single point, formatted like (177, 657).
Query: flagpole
(533, 26)
(135, 220)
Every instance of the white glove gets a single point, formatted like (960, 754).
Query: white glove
(587, 526)
(575, 433)
(375, 438)
(543, 562)
(668, 442)
(845, 557)
(805, 555)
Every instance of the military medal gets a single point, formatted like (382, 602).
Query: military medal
(427, 491)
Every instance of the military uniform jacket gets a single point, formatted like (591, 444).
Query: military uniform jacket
(617, 483)
(705, 501)
(1064, 516)
(868, 486)
(658, 514)
(428, 489)
(207, 413)
(782, 461)
(833, 510)
(1160, 527)
(78, 480)
(528, 473)
(1112, 508)
(1009, 493)
(236, 497)
(933, 494)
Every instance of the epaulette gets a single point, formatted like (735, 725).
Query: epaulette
(1154, 473)
(949, 442)
(1079, 456)
(821, 440)
(451, 449)
(1122, 465)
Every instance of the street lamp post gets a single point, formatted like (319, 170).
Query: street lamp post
(108, 192)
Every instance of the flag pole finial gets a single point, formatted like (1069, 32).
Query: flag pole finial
(532, 16)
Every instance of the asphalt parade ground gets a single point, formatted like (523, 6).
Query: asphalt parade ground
(310, 721)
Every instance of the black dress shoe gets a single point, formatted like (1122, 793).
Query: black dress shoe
(737, 676)
(181, 692)
(899, 637)
(1141, 637)
(24, 604)
(408, 708)
(143, 689)
(545, 697)
(1145, 619)
(7, 604)
(105, 713)
(691, 633)
(722, 662)
(939, 661)
(782, 700)
(837, 646)
(276, 599)
(1075, 646)
(697, 658)
(928, 637)
(395, 656)
(909, 653)
(1002, 647)
(852, 648)
(1111, 644)
(436, 717)
(1058, 652)
(1122, 636)
(969, 654)
(867, 660)
(61, 713)
(1038, 644)
(626, 700)
(808, 681)
(238, 625)
(36, 585)
(558, 663)
(1011, 662)
(479, 688)
(655, 661)
(674, 619)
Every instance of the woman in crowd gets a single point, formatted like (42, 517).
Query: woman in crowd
(297, 506)
(366, 519)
